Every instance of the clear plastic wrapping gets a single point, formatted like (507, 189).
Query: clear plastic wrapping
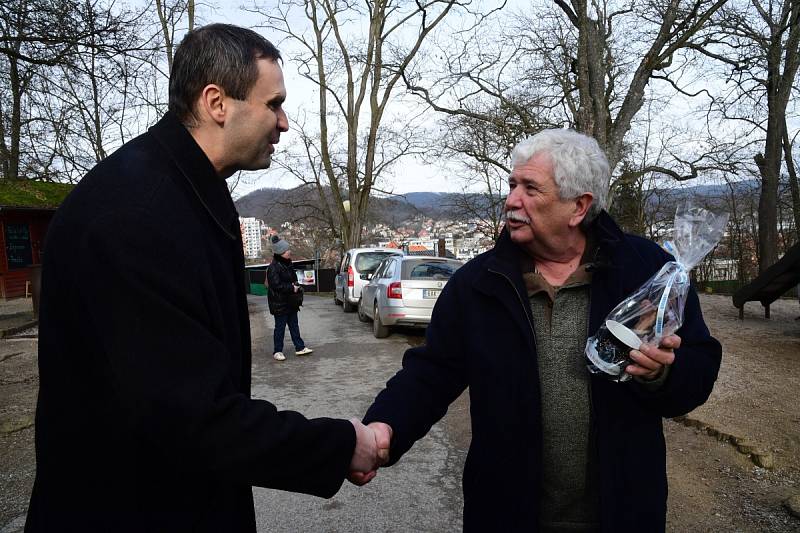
(655, 310)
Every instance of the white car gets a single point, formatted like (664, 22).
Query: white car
(403, 291)
(355, 272)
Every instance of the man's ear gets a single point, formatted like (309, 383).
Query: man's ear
(582, 205)
(211, 104)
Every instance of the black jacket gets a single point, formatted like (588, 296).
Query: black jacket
(481, 336)
(144, 419)
(281, 280)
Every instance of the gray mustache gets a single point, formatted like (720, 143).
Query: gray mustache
(517, 216)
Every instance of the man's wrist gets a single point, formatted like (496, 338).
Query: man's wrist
(654, 383)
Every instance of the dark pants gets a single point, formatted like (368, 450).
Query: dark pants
(294, 330)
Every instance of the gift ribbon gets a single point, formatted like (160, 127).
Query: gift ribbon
(662, 303)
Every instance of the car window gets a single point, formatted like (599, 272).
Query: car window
(429, 270)
(369, 261)
(379, 270)
(389, 271)
(346, 262)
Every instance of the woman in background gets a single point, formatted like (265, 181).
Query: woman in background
(285, 296)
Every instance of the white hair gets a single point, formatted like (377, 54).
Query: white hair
(579, 164)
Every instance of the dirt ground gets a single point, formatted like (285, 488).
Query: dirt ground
(19, 384)
(713, 487)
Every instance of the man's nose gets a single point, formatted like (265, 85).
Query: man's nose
(283, 121)
(513, 200)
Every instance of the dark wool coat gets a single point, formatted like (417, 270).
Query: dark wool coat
(481, 336)
(281, 295)
(144, 420)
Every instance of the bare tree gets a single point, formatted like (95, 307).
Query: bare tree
(35, 37)
(170, 17)
(478, 151)
(759, 43)
(482, 200)
(604, 106)
(95, 107)
(356, 72)
(741, 201)
(588, 68)
(794, 183)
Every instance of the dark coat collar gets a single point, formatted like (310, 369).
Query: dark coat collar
(614, 254)
(279, 259)
(505, 259)
(608, 236)
(194, 165)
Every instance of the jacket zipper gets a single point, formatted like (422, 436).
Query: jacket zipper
(522, 303)
(593, 445)
(589, 381)
(592, 418)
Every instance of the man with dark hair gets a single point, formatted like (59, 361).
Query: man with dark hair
(144, 419)
(220, 54)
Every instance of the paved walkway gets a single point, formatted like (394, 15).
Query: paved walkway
(15, 313)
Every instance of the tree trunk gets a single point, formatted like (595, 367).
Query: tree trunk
(778, 89)
(593, 114)
(769, 168)
(794, 186)
(16, 120)
(161, 9)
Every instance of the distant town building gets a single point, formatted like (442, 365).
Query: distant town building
(251, 236)
(460, 248)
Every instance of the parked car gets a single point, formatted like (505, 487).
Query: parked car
(403, 291)
(355, 271)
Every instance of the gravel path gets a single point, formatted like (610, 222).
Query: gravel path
(713, 487)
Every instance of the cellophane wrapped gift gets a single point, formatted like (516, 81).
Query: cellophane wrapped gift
(655, 310)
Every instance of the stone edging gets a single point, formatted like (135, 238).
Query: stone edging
(758, 454)
(18, 423)
(16, 329)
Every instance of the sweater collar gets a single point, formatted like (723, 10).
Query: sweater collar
(605, 234)
(195, 167)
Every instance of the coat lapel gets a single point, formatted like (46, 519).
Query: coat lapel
(502, 281)
(194, 166)
(614, 255)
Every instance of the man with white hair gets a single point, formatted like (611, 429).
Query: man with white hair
(554, 448)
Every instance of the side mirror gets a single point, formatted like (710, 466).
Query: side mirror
(366, 275)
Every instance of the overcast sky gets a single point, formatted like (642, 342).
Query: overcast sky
(410, 175)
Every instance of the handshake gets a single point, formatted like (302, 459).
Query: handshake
(371, 451)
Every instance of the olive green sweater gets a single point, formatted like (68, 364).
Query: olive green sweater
(569, 500)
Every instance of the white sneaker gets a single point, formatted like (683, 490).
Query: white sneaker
(278, 356)
(304, 351)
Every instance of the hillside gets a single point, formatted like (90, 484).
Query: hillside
(275, 206)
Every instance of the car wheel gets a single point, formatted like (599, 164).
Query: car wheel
(335, 299)
(362, 316)
(347, 306)
(378, 329)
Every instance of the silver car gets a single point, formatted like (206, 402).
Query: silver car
(354, 272)
(403, 291)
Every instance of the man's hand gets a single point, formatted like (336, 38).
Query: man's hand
(650, 361)
(381, 439)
